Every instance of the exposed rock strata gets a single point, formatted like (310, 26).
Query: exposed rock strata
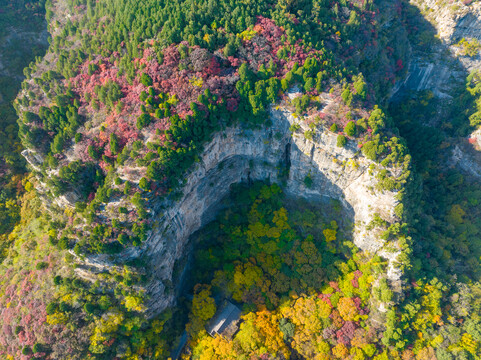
(237, 155)
(439, 67)
(453, 21)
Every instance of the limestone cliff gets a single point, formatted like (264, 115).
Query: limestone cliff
(440, 65)
(236, 155)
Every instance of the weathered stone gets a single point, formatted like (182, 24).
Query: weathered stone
(236, 155)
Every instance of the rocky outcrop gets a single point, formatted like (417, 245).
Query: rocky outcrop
(33, 158)
(236, 155)
(68, 199)
(437, 64)
(452, 21)
(440, 66)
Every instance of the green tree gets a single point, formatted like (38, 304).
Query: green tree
(114, 144)
(93, 152)
(146, 80)
(341, 140)
(346, 96)
(144, 184)
(350, 128)
(143, 121)
(360, 86)
(52, 308)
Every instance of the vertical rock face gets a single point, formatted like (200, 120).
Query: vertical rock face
(437, 65)
(237, 155)
(452, 21)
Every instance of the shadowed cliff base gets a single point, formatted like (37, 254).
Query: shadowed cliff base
(250, 257)
(23, 37)
(316, 212)
(432, 109)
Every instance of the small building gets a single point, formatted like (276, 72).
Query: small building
(225, 322)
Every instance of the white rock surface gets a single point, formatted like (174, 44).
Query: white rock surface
(237, 155)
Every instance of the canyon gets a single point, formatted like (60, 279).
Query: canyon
(272, 154)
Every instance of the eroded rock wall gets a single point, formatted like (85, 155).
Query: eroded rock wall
(236, 155)
(437, 64)
(441, 66)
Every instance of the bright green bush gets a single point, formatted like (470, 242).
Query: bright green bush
(350, 128)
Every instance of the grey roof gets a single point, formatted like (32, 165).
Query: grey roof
(225, 321)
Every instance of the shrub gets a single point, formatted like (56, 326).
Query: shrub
(52, 308)
(77, 249)
(137, 200)
(64, 307)
(294, 127)
(104, 302)
(376, 120)
(80, 206)
(143, 121)
(346, 96)
(77, 283)
(301, 103)
(308, 181)
(350, 128)
(146, 80)
(52, 240)
(369, 149)
(127, 188)
(341, 140)
(229, 49)
(63, 243)
(114, 144)
(360, 87)
(123, 239)
(38, 348)
(309, 134)
(89, 308)
(29, 117)
(470, 47)
(57, 280)
(93, 152)
(42, 265)
(27, 350)
(144, 184)
(333, 127)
